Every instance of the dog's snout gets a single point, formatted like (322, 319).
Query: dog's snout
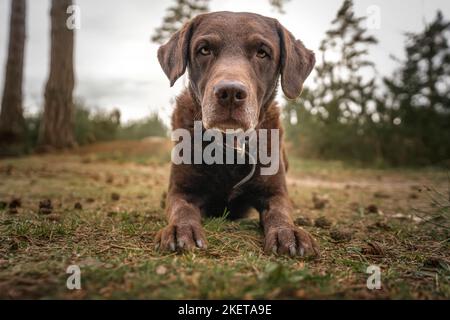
(230, 93)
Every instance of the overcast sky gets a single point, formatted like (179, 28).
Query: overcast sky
(116, 64)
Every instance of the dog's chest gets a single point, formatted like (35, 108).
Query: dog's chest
(224, 178)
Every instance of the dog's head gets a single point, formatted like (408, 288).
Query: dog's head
(234, 61)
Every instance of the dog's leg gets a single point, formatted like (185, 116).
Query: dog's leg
(281, 235)
(184, 230)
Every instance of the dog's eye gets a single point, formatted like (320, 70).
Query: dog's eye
(262, 54)
(205, 51)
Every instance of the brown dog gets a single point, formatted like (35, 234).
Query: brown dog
(234, 62)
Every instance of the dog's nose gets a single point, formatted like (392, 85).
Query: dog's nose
(230, 93)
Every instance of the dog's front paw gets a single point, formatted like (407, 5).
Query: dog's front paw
(291, 240)
(181, 236)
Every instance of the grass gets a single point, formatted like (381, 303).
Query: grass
(111, 237)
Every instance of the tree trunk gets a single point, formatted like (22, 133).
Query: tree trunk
(12, 124)
(56, 131)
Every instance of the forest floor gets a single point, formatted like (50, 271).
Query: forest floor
(106, 209)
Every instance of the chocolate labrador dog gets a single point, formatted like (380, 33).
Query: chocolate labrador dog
(234, 62)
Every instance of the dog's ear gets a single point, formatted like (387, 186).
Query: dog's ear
(296, 62)
(173, 56)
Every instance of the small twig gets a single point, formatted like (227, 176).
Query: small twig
(124, 248)
(429, 220)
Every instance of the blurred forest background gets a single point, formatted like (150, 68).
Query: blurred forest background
(347, 111)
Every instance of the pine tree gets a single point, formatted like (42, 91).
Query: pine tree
(56, 131)
(177, 15)
(340, 104)
(419, 92)
(346, 82)
(278, 5)
(12, 124)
